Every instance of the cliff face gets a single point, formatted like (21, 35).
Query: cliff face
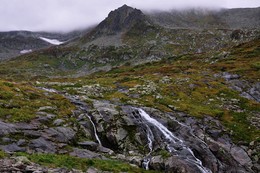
(120, 20)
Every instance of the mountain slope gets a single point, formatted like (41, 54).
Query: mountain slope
(115, 25)
(15, 43)
(128, 36)
(200, 98)
(204, 18)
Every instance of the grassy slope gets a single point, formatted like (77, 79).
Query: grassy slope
(70, 162)
(19, 102)
(155, 43)
(187, 83)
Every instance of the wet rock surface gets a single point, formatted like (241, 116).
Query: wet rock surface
(106, 130)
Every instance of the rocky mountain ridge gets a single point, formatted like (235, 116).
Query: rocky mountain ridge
(111, 30)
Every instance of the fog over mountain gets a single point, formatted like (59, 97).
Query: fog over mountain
(67, 15)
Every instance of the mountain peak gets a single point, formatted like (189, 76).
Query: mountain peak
(125, 7)
(120, 20)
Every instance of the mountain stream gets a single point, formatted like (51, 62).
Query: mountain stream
(175, 146)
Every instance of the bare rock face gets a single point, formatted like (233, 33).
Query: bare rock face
(240, 156)
(83, 153)
(43, 145)
(120, 20)
(61, 134)
(6, 128)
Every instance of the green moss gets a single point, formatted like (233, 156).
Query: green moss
(19, 102)
(256, 65)
(2, 154)
(165, 154)
(240, 127)
(70, 162)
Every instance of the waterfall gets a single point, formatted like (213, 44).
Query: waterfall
(95, 130)
(175, 145)
(167, 134)
(81, 105)
(150, 139)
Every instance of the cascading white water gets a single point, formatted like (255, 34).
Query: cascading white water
(167, 134)
(150, 139)
(172, 141)
(95, 130)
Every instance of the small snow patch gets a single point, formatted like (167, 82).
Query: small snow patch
(52, 41)
(25, 51)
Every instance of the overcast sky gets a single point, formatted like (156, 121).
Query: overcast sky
(66, 15)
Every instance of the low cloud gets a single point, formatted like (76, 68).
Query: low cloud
(67, 15)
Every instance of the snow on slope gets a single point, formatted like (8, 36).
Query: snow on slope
(52, 41)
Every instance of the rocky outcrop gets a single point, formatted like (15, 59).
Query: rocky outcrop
(248, 90)
(126, 133)
(170, 142)
(120, 20)
(22, 164)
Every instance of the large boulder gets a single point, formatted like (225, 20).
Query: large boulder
(6, 128)
(61, 134)
(42, 145)
(83, 153)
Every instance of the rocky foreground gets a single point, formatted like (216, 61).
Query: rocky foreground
(105, 130)
(22, 164)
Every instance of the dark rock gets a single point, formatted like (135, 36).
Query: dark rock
(248, 90)
(12, 148)
(58, 122)
(6, 128)
(105, 150)
(137, 160)
(42, 145)
(7, 140)
(83, 153)
(26, 126)
(241, 156)
(157, 163)
(43, 119)
(92, 170)
(214, 133)
(229, 76)
(32, 133)
(61, 134)
(21, 142)
(175, 165)
(89, 145)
